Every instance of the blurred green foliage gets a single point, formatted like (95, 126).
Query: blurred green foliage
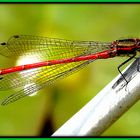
(57, 103)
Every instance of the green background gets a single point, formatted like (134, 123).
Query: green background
(55, 104)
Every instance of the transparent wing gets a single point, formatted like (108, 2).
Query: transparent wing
(43, 81)
(48, 48)
(43, 49)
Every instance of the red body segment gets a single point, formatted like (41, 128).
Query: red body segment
(101, 55)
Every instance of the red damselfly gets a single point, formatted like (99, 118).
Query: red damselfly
(53, 59)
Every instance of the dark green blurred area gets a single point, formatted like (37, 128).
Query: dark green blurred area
(41, 115)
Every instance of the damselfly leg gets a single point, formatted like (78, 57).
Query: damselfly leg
(122, 64)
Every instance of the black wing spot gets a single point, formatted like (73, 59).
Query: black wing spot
(16, 36)
(1, 78)
(3, 43)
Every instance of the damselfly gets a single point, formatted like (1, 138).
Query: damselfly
(53, 59)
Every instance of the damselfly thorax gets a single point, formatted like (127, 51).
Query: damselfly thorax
(127, 47)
